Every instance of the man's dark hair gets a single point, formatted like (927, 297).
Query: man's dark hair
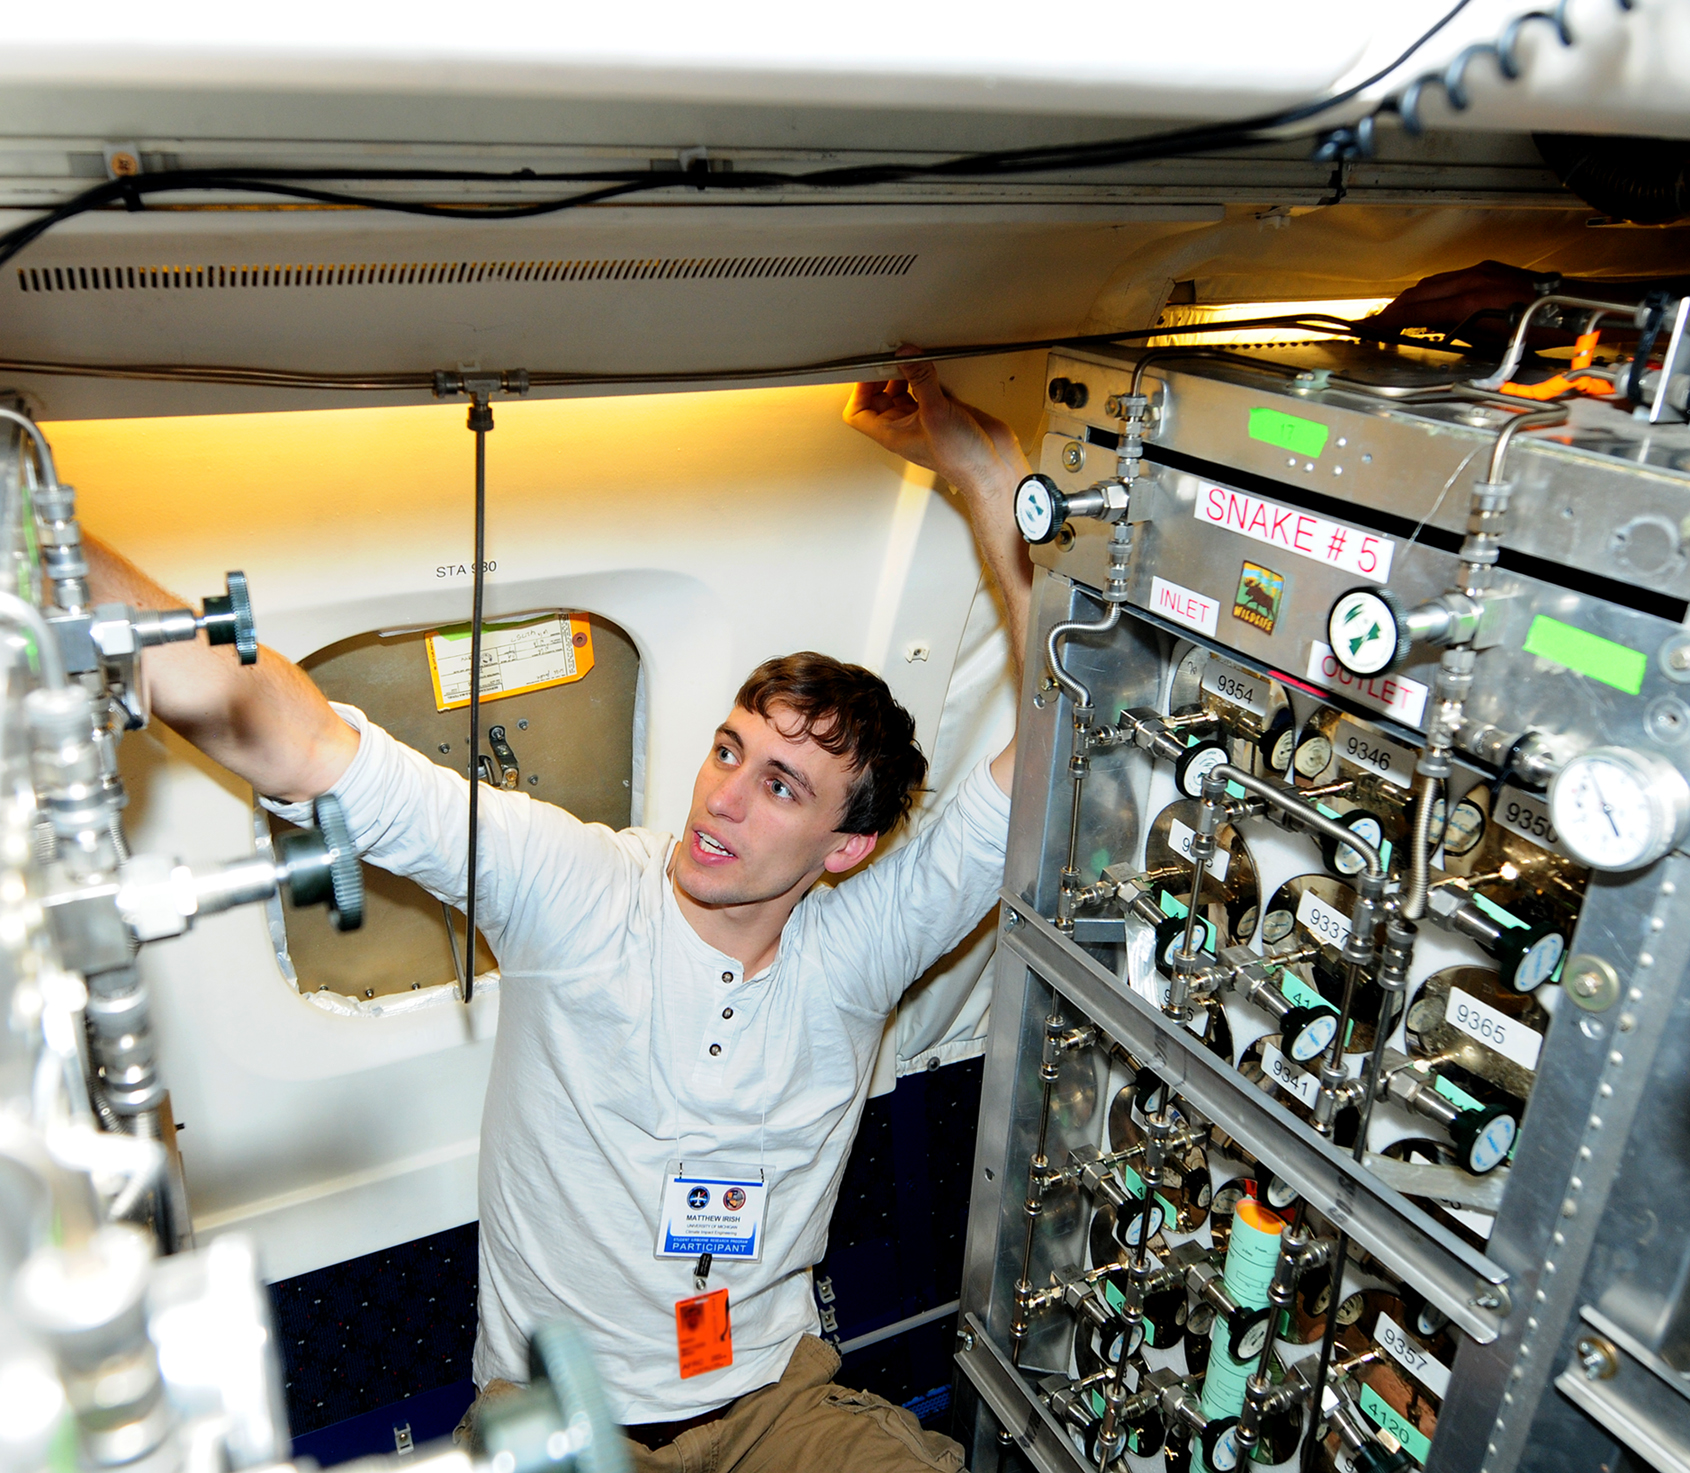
(850, 712)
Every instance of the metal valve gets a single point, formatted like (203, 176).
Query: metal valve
(1041, 509)
(158, 898)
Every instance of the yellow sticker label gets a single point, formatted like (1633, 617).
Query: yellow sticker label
(527, 655)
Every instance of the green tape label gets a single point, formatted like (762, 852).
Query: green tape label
(1415, 1442)
(1589, 654)
(1455, 1094)
(1498, 914)
(1135, 1184)
(1299, 436)
(1175, 907)
(1298, 991)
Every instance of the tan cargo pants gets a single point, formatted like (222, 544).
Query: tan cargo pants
(802, 1422)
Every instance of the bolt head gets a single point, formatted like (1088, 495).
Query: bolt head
(1679, 659)
(1073, 455)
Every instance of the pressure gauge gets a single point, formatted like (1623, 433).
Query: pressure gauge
(1465, 829)
(1129, 1220)
(1278, 742)
(1617, 809)
(1039, 508)
(1366, 632)
(1313, 755)
(1246, 1334)
(1195, 764)
(1483, 1138)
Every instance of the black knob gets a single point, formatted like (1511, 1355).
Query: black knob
(1483, 1138)
(1040, 509)
(1220, 1445)
(1372, 1458)
(1527, 956)
(322, 866)
(1195, 764)
(1068, 392)
(227, 619)
(1170, 935)
(1306, 1033)
(1340, 858)
(1366, 631)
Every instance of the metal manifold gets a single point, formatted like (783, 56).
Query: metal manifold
(122, 1345)
(1332, 1111)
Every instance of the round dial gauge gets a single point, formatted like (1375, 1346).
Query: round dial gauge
(1248, 1333)
(1039, 508)
(1313, 755)
(1197, 763)
(1617, 810)
(1466, 827)
(1365, 632)
(1277, 745)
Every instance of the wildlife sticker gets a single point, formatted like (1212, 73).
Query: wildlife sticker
(1259, 592)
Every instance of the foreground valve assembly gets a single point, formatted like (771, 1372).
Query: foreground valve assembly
(1335, 909)
(121, 1344)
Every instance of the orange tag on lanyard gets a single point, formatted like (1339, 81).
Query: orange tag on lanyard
(702, 1333)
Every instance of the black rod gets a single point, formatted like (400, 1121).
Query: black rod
(480, 420)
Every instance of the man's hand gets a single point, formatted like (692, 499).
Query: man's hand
(979, 455)
(916, 418)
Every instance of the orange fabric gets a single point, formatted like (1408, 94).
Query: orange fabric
(1584, 353)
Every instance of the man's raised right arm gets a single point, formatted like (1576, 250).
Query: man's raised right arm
(266, 723)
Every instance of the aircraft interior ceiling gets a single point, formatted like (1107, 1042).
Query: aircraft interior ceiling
(236, 379)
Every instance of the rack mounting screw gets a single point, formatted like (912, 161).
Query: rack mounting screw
(1598, 1357)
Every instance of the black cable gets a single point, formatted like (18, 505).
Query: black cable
(401, 382)
(1206, 138)
(481, 421)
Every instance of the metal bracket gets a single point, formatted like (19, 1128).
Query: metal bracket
(1040, 1439)
(1634, 1394)
(1466, 1285)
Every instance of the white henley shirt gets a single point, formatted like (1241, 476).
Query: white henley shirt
(626, 1042)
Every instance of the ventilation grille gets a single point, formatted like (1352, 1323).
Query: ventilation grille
(452, 273)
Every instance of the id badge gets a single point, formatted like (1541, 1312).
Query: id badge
(715, 1209)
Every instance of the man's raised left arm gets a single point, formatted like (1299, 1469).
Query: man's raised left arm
(978, 454)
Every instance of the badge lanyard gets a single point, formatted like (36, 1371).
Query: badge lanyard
(710, 1210)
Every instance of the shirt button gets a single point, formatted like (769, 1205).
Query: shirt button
(715, 1049)
(727, 1012)
(727, 976)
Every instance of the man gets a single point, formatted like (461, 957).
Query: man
(687, 1028)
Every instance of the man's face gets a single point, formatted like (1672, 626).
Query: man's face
(765, 811)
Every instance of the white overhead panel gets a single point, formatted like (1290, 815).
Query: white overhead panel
(721, 292)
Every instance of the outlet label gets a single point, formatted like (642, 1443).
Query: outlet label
(1391, 695)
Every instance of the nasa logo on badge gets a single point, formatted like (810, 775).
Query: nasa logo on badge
(698, 1198)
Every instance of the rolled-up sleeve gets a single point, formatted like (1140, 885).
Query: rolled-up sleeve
(410, 816)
